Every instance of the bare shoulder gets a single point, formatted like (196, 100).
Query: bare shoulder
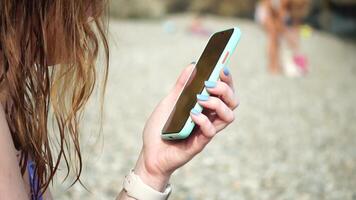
(5, 136)
(6, 143)
(11, 183)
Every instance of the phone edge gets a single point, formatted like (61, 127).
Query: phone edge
(189, 124)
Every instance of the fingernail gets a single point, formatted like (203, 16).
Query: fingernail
(193, 63)
(210, 84)
(202, 97)
(195, 112)
(226, 71)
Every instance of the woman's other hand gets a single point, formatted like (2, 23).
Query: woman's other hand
(159, 158)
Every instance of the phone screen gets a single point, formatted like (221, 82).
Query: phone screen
(195, 85)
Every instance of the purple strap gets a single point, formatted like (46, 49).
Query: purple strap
(33, 180)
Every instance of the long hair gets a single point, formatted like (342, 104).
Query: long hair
(48, 52)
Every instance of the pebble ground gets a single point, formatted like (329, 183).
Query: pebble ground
(294, 138)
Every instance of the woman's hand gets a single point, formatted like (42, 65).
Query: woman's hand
(159, 158)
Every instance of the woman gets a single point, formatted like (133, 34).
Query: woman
(281, 18)
(48, 51)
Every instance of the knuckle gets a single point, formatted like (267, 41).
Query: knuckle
(235, 103)
(229, 116)
(213, 130)
(205, 120)
(215, 102)
(223, 88)
(223, 106)
(226, 88)
(232, 117)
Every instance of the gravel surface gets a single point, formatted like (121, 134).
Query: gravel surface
(294, 138)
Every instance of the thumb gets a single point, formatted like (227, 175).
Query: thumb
(183, 78)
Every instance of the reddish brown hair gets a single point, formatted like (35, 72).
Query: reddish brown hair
(48, 51)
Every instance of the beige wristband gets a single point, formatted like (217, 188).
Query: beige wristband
(136, 188)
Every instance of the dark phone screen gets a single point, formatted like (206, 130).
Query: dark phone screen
(195, 84)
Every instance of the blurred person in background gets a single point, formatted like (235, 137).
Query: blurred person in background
(281, 19)
(197, 27)
(48, 53)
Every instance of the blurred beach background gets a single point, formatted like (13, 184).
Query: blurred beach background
(294, 137)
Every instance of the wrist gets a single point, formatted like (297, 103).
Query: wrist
(155, 180)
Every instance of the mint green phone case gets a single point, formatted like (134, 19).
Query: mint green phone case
(189, 125)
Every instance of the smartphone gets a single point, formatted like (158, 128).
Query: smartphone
(215, 56)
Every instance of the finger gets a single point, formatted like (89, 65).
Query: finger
(225, 76)
(215, 120)
(221, 89)
(206, 131)
(184, 76)
(206, 127)
(220, 124)
(217, 105)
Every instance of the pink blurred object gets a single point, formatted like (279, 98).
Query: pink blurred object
(197, 28)
(302, 63)
(200, 31)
